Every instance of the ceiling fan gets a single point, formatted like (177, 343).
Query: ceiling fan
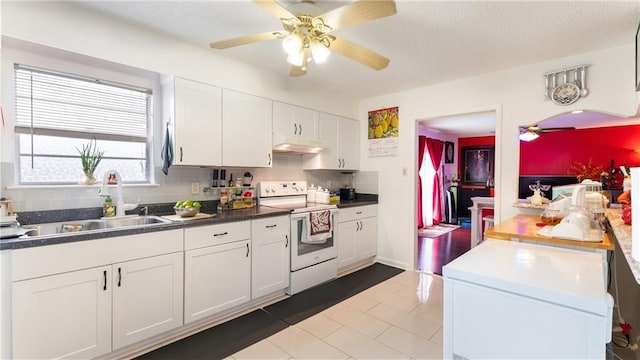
(532, 132)
(306, 37)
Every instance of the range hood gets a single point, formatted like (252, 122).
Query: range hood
(296, 144)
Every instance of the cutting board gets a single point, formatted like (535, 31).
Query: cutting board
(195, 217)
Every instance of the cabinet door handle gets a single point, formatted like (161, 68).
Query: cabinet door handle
(105, 280)
(269, 162)
(119, 276)
(295, 132)
(247, 250)
(221, 234)
(180, 153)
(286, 244)
(358, 226)
(271, 226)
(361, 225)
(300, 129)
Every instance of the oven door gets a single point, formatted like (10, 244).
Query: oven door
(306, 252)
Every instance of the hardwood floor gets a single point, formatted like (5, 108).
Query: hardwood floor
(434, 253)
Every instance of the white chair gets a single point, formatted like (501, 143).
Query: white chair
(488, 222)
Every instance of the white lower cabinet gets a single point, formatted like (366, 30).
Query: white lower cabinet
(63, 316)
(147, 298)
(270, 238)
(217, 269)
(357, 235)
(62, 307)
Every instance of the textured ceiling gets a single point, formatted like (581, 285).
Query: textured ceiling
(428, 42)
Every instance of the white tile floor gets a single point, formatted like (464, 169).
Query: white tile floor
(400, 318)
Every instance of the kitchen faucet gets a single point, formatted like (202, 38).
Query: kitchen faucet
(104, 191)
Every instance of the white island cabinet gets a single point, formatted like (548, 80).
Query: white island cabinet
(193, 113)
(247, 130)
(357, 235)
(510, 300)
(270, 261)
(217, 268)
(74, 300)
(340, 137)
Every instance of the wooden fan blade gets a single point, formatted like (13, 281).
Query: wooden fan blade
(359, 54)
(274, 9)
(243, 40)
(296, 71)
(358, 12)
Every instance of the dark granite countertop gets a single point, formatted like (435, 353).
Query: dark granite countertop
(37, 217)
(361, 200)
(221, 217)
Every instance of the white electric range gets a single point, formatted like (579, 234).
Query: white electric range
(313, 257)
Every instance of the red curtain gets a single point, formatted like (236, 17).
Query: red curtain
(422, 144)
(435, 148)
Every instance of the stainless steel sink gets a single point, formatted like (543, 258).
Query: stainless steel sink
(83, 226)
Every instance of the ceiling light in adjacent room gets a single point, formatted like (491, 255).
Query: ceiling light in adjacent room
(528, 136)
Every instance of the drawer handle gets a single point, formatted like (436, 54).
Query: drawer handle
(358, 212)
(221, 234)
(105, 281)
(287, 243)
(119, 276)
(271, 226)
(247, 250)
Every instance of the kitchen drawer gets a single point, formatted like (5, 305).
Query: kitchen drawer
(358, 212)
(266, 226)
(197, 237)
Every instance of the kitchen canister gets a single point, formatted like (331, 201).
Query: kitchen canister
(311, 194)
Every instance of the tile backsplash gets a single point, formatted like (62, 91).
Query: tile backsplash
(175, 186)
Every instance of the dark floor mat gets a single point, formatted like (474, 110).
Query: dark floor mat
(223, 340)
(312, 301)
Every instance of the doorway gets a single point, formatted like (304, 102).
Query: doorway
(434, 249)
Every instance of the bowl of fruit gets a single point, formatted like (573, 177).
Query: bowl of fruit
(187, 208)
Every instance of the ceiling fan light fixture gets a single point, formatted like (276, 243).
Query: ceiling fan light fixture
(296, 59)
(292, 44)
(528, 136)
(319, 52)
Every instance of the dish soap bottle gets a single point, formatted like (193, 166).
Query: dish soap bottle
(108, 208)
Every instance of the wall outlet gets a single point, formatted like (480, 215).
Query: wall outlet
(195, 188)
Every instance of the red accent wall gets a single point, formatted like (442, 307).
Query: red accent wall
(553, 153)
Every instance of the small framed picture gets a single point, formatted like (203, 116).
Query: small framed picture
(448, 152)
(477, 164)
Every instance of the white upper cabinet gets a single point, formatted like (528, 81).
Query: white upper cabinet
(294, 121)
(193, 110)
(341, 139)
(247, 130)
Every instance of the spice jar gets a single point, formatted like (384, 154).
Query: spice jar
(224, 199)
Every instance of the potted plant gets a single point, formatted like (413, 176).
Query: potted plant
(90, 156)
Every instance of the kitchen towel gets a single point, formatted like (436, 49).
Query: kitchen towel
(167, 152)
(319, 227)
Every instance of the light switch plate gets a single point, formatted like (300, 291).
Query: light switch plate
(195, 188)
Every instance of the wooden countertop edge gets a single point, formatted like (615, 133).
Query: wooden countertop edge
(498, 234)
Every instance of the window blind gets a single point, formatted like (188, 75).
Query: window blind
(46, 100)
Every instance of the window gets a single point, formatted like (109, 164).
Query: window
(57, 113)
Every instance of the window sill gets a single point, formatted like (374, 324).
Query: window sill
(74, 186)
